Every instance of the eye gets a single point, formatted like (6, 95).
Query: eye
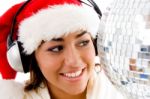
(84, 43)
(56, 48)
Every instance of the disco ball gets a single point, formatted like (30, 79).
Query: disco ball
(124, 47)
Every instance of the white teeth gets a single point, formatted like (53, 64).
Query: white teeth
(71, 75)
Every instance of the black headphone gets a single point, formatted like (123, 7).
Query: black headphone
(15, 56)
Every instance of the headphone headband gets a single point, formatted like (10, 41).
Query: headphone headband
(10, 36)
(94, 5)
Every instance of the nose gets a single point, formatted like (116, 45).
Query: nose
(72, 58)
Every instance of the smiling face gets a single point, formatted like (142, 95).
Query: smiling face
(67, 63)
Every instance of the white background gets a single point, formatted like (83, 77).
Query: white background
(5, 4)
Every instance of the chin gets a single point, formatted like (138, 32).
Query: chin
(76, 91)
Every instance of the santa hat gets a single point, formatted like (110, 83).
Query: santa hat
(44, 20)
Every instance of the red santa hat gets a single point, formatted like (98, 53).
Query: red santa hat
(43, 20)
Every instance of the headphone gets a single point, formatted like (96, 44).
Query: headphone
(18, 60)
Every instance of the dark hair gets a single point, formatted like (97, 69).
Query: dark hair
(36, 76)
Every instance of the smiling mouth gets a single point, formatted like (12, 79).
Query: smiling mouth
(73, 74)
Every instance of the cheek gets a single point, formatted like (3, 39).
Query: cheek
(48, 61)
(49, 66)
(90, 55)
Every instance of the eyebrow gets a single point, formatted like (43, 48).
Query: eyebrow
(81, 34)
(58, 39)
(77, 36)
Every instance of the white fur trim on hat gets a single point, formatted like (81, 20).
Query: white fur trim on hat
(54, 22)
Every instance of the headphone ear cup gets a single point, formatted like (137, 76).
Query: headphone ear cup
(14, 57)
(17, 59)
(25, 59)
(95, 46)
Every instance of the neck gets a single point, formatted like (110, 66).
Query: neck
(58, 94)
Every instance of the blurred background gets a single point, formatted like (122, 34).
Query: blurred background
(6, 4)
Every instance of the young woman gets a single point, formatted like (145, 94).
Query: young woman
(55, 42)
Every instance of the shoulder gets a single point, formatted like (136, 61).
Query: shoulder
(10, 89)
(103, 88)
